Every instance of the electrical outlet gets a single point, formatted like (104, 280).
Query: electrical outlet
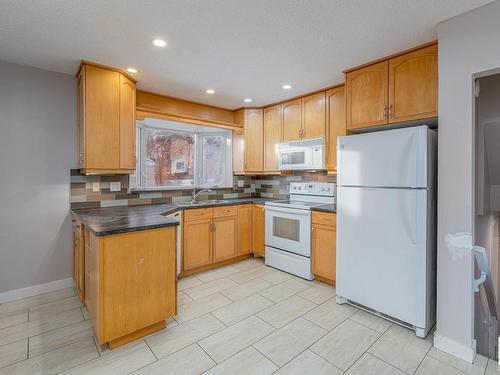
(115, 186)
(96, 187)
(241, 183)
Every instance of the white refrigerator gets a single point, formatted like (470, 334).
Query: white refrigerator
(386, 224)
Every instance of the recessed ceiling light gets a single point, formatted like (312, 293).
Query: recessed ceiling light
(159, 42)
(132, 70)
(247, 100)
(210, 91)
(287, 87)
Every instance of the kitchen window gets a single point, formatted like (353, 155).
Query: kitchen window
(174, 155)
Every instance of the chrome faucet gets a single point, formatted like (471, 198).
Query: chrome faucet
(195, 194)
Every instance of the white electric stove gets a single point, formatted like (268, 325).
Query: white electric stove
(288, 227)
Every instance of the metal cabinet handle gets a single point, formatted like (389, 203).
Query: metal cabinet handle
(385, 112)
(390, 111)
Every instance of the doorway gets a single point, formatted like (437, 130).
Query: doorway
(486, 210)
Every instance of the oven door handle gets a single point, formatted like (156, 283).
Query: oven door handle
(295, 211)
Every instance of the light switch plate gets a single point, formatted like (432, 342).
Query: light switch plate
(241, 183)
(96, 187)
(115, 186)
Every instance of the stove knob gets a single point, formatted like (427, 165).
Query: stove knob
(299, 188)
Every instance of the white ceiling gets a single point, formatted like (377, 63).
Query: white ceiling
(240, 48)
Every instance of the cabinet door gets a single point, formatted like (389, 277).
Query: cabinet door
(80, 108)
(413, 85)
(323, 251)
(245, 237)
(127, 123)
(292, 120)
(197, 249)
(366, 96)
(314, 116)
(102, 118)
(139, 280)
(225, 242)
(93, 283)
(254, 140)
(272, 137)
(238, 153)
(258, 231)
(335, 104)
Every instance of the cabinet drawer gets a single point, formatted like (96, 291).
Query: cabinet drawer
(325, 218)
(197, 214)
(225, 211)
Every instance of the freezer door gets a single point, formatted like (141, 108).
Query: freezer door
(391, 158)
(382, 252)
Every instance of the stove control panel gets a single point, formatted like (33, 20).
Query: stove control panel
(326, 189)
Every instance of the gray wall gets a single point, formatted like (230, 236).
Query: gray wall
(468, 44)
(37, 150)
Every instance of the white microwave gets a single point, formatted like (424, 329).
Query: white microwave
(308, 154)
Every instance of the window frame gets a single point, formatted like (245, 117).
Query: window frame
(136, 180)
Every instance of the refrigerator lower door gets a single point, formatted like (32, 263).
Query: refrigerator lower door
(391, 158)
(382, 250)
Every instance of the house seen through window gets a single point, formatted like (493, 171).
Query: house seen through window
(174, 155)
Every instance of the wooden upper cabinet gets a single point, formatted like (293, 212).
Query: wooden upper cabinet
(292, 120)
(335, 119)
(273, 133)
(254, 140)
(367, 95)
(80, 108)
(413, 85)
(106, 120)
(238, 153)
(127, 123)
(314, 116)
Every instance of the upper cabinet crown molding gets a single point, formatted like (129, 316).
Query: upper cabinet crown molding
(90, 63)
(161, 106)
(106, 120)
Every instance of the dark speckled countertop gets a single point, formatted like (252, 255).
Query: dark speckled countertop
(122, 219)
(325, 208)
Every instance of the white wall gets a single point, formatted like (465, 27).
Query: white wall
(37, 150)
(468, 44)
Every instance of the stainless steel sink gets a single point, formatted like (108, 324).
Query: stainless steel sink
(202, 203)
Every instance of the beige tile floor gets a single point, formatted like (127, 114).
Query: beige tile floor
(245, 318)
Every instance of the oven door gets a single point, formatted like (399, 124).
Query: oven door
(289, 229)
(294, 158)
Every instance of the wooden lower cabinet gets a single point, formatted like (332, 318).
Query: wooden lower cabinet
(225, 237)
(216, 236)
(131, 284)
(210, 236)
(323, 246)
(197, 240)
(245, 235)
(259, 248)
(79, 258)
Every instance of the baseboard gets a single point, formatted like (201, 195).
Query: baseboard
(34, 290)
(455, 348)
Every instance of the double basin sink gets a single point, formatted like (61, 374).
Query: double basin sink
(202, 203)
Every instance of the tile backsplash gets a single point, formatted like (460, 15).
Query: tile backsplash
(83, 196)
